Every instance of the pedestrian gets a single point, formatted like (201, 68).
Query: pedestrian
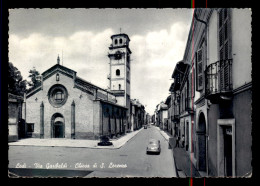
(177, 141)
(183, 140)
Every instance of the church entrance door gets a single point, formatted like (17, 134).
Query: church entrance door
(58, 130)
(57, 126)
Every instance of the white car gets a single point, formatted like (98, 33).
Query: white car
(153, 146)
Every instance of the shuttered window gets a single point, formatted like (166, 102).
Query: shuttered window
(224, 46)
(199, 69)
(224, 34)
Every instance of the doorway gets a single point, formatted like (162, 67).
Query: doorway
(226, 147)
(201, 134)
(227, 152)
(58, 130)
(57, 126)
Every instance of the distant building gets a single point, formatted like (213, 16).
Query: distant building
(153, 119)
(137, 114)
(178, 97)
(163, 115)
(156, 113)
(134, 115)
(169, 124)
(147, 119)
(175, 107)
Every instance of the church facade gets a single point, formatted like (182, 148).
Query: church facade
(67, 106)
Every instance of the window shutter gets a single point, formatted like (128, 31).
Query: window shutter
(224, 46)
(199, 69)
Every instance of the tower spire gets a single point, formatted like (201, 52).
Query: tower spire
(58, 59)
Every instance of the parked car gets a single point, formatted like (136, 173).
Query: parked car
(104, 141)
(153, 146)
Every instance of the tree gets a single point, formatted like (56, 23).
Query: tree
(35, 82)
(16, 84)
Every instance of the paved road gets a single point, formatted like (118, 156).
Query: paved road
(128, 161)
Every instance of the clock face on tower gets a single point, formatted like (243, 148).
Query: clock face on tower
(118, 55)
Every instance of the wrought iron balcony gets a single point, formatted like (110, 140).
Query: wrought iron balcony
(218, 81)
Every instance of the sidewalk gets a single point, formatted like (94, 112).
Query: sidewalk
(182, 160)
(76, 143)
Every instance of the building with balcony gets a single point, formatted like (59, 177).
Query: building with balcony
(171, 110)
(220, 62)
(169, 124)
(186, 108)
(176, 89)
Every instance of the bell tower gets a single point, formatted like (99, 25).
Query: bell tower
(120, 73)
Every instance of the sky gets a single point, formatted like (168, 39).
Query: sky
(81, 38)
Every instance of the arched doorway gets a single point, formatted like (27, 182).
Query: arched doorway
(57, 126)
(201, 134)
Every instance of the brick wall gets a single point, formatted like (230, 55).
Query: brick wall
(83, 109)
(88, 112)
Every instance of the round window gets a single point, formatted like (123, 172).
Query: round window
(57, 95)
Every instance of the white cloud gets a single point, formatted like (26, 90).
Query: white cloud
(84, 52)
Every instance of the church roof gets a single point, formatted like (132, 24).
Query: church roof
(70, 73)
(79, 83)
(85, 83)
(55, 67)
(105, 101)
